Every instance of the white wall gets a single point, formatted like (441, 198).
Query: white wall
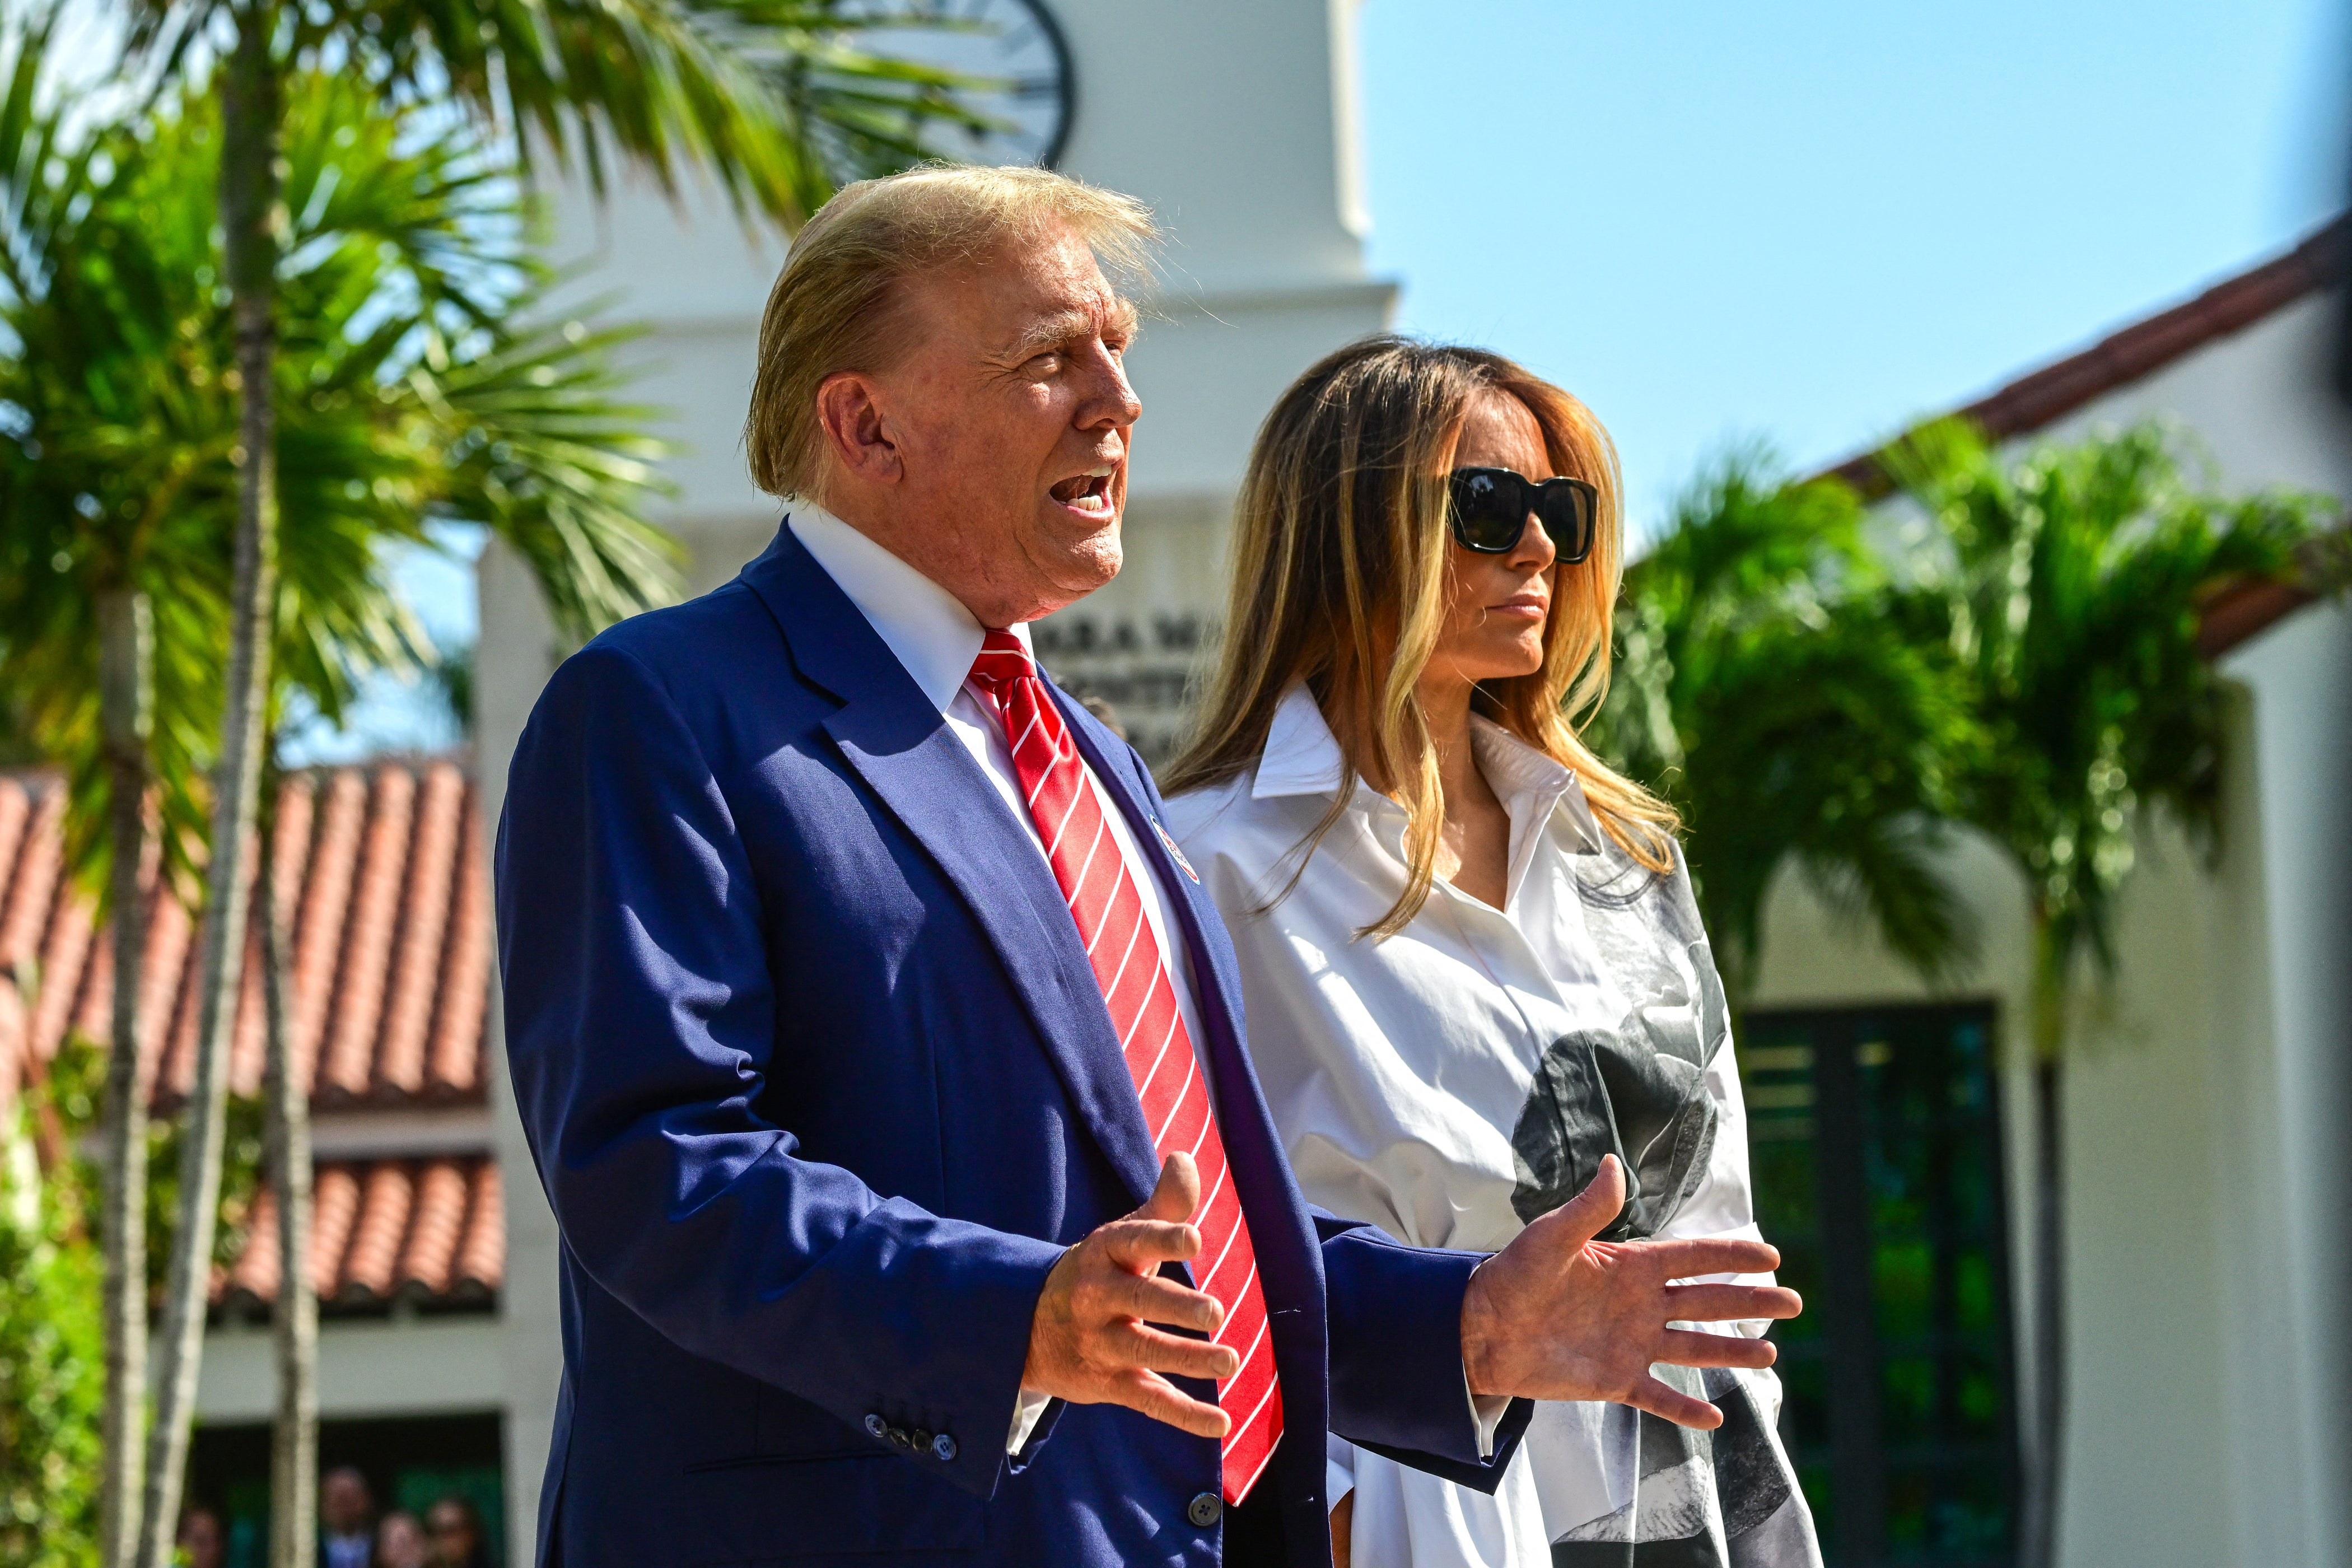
(2279, 1096)
(415, 1366)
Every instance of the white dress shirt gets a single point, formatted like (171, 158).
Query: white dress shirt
(1396, 1071)
(936, 639)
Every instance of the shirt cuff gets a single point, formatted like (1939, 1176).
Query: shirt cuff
(1028, 1409)
(1485, 1409)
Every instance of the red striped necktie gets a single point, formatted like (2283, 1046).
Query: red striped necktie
(1108, 909)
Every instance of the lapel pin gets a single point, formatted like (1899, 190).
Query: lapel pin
(1170, 845)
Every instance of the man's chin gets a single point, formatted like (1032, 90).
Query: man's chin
(1083, 563)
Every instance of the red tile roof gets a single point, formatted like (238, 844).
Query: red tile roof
(2044, 396)
(428, 1231)
(384, 871)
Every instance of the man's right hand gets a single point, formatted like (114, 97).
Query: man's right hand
(1091, 1340)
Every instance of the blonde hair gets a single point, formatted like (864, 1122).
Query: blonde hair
(1341, 552)
(835, 305)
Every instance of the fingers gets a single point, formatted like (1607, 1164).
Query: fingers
(1729, 1303)
(1673, 1404)
(1589, 1212)
(1687, 1347)
(1178, 1193)
(1179, 1357)
(1713, 1255)
(1140, 1246)
(1157, 1397)
(1156, 1299)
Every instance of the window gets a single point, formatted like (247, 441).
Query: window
(1875, 1142)
(410, 1463)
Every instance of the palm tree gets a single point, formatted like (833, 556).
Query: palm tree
(100, 508)
(2071, 580)
(1767, 685)
(420, 376)
(756, 92)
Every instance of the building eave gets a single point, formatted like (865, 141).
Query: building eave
(2040, 398)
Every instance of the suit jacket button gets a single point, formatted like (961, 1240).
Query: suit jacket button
(878, 1427)
(943, 1448)
(1205, 1509)
(922, 1441)
(900, 1440)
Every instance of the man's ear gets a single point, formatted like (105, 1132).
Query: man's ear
(849, 409)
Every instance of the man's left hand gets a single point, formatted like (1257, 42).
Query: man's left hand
(1558, 1315)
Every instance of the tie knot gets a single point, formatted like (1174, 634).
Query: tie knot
(1002, 659)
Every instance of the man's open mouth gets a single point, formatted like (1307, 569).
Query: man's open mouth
(1088, 493)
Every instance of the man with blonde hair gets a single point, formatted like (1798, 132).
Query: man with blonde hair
(881, 1057)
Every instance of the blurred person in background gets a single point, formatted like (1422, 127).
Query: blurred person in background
(400, 1542)
(454, 1531)
(346, 1519)
(202, 1542)
(1471, 961)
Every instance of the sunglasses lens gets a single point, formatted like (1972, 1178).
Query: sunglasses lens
(1490, 509)
(1566, 510)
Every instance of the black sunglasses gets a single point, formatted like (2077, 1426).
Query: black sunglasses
(1491, 505)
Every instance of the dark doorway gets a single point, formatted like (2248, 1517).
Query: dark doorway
(1876, 1146)
(410, 1463)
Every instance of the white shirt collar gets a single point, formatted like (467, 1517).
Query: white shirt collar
(926, 626)
(1303, 757)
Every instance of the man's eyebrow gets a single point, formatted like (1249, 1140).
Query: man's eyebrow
(1066, 325)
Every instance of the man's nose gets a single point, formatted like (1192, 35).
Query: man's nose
(1110, 398)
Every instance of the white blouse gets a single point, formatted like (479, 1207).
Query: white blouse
(1397, 1072)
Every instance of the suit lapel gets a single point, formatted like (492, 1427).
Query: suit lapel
(889, 733)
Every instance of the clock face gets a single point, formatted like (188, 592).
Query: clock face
(1015, 46)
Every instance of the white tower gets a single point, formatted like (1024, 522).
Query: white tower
(1236, 120)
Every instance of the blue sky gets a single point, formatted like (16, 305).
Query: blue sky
(1808, 223)
(1812, 222)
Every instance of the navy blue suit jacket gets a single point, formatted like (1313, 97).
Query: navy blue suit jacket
(820, 1085)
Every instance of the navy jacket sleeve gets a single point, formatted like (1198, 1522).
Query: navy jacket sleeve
(641, 1021)
(1397, 1384)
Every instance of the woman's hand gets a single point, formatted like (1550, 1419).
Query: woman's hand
(1343, 1525)
(1558, 1315)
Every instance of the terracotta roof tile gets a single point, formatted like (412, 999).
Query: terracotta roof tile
(482, 1253)
(319, 934)
(387, 1197)
(415, 971)
(334, 1205)
(384, 874)
(429, 1231)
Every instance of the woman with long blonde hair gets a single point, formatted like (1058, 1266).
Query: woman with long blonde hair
(1470, 957)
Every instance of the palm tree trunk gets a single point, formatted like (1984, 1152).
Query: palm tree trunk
(126, 699)
(294, 1439)
(249, 119)
(2046, 1480)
